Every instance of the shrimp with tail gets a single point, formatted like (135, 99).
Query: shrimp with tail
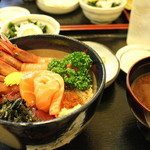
(14, 59)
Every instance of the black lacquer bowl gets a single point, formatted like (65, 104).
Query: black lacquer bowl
(57, 132)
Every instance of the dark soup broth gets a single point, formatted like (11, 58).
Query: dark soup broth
(141, 89)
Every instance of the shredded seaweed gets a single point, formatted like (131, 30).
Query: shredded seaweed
(16, 111)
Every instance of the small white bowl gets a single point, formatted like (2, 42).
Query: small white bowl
(99, 15)
(57, 6)
(53, 27)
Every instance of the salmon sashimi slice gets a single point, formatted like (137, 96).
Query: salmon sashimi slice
(27, 89)
(44, 90)
(33, 67)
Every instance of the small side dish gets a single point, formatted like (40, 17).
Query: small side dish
(26, 28)
(30, 25)
(102, 11)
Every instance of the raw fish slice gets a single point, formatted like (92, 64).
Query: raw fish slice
(44, 89)
(26, 89)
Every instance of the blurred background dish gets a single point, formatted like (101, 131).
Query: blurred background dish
(57, 6)
(110, 61)
(101, 15)
(7, 13)
(130, 54)
(29, 25)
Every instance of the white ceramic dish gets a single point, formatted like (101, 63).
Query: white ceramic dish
(53, 27)
(99, 15)
(110, 61)
(7, 13)
(130, 54)
(57, 6)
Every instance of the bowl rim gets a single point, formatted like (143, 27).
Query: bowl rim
(19, 8)
(83, 107)
(23, 11)
(60, 7)
(57, 10)
(129, 85)
(83, 4)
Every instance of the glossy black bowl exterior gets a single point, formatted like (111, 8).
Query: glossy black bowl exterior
(139, 110)
(54, 133)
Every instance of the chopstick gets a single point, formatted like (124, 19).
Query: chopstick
(127, 14)
(93, 27)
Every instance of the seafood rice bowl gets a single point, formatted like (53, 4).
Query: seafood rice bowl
(51, 86)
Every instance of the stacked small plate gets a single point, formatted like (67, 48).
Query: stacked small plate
(130, 54)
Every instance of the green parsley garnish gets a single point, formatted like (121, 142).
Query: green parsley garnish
(75, 70)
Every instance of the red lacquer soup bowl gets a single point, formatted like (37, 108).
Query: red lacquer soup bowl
(138, 90)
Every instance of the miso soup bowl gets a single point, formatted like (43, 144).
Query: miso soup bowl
(54, 133)
(140, 111)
